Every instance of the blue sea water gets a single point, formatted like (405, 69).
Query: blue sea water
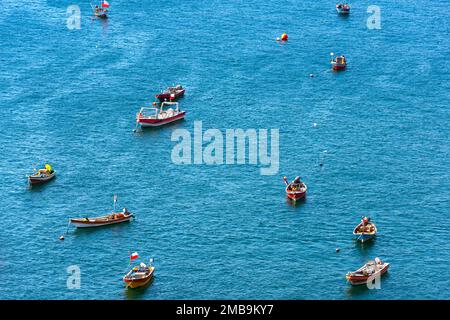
(69, 97)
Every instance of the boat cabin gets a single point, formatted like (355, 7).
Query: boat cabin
(166, 110)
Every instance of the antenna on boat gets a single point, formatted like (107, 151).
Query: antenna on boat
(115, 201)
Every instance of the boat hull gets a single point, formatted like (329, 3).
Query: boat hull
(79, 223)
(146, 123)
(357, 280)
(136, 283)
(365, 236)
(296, 196)
(343, 11)
(35, 180)
(337, 67)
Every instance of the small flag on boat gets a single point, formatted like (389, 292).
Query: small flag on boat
(134, 256)
(105, 4)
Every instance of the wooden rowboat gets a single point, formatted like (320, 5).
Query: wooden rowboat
(113, 218)
(368, 272)
(139, 276)
(365, 230)
(296, 190)
(339, 63)
(42, 176)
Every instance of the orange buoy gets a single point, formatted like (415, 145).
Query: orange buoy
(284, 37)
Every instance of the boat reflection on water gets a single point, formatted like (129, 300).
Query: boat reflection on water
(138, 293)
(296, 203)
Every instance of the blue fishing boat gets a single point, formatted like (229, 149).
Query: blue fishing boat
(365, 230)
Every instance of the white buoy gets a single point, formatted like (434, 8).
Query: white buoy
(311, 75)
(314, 125)
(337, 249)
(61, 238)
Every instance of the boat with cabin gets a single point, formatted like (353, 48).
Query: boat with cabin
(166, 113)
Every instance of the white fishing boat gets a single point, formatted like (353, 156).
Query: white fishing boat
(154, 117)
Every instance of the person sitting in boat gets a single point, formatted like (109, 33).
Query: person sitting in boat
(296, 184)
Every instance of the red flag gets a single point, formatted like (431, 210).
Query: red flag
(134, 256)
(105, 4)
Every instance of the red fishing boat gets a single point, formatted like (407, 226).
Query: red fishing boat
(296, 190)
(154, 117)
(171, 93)
(367, 272)
(365, 230)
(338, 63)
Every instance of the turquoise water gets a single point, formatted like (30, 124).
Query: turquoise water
(69, 97)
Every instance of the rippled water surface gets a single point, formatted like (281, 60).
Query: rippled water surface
(69, 97)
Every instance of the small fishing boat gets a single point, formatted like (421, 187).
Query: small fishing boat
(140, 275)
(171, 93)
(154, 117)
(42, 176)
(338, 63)
(296, 190)
(343, 8)
(101, 11)
(365, 230)
(368, 272)
(112, 218)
